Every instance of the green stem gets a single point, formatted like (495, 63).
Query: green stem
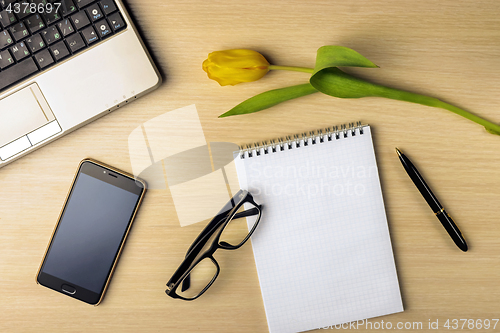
(490, 127)
(434, 102)
(295, 69)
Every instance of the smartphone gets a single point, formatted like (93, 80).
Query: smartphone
(91, 231)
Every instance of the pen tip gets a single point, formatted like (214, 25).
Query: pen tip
(464, 247)
(398, 151)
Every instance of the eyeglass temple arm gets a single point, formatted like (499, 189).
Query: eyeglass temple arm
(246, 213)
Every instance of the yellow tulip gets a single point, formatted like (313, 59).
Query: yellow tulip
(231, 67)
(236, 66)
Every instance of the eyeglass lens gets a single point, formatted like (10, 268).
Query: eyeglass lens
(200, 277)
(236, 231)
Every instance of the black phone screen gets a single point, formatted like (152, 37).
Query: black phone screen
(92, 228)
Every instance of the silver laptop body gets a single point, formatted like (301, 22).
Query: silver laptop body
(77, 90)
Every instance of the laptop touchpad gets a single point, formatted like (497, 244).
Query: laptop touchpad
(23, 112)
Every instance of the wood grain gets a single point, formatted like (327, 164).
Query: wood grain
(448, 49)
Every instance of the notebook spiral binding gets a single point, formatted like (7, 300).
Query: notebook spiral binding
(329, 133)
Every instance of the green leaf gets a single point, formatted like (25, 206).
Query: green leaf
(330, 80)
(334, 82)
(339, 56)
(269, 99)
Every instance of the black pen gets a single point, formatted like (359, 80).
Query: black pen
(433, 202)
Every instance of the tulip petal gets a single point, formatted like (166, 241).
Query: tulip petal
(231, 76)
(240, 58)
(231, 67)
(270, 98)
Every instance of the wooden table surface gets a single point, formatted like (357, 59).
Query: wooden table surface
(447, 49)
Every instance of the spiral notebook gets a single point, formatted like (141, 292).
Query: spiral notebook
(322, 249)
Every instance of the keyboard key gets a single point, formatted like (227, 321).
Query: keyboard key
(108, 6)
(59, 51)
(5, 59)
(75, 42)
(90, 35)
(103, 29)
(65, 27)
(116, 21)
(35, 23)
(44, 58)
(67, 7)
(83, 3)
(35, 43)
(5, 3)
(7, 18)
(39, 6)
(80, 20)
(19, 31)
(20, 51)
(51, 35)
(95, 12)
(24, 10)
(5, 39)
(17, 72)
(51, 17)
(39, 2)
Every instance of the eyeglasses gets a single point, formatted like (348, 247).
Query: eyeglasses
(227, 230)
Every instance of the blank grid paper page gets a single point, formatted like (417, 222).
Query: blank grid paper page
(322, 248)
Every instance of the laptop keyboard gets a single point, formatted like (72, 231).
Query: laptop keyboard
(37, 34)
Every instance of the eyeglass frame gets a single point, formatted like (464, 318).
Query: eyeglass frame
(217, 224)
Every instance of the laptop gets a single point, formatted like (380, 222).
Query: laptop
(63, 64)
